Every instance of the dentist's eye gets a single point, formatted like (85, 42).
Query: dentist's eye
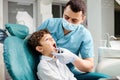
(74, 21)
(66, 17)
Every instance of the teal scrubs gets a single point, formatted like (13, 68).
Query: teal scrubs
(78, 41)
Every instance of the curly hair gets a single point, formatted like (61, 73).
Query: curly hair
(77, 5)
(34, 39)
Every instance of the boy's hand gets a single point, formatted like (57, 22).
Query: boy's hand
(65, 56)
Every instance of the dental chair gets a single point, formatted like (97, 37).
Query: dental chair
(20, 61)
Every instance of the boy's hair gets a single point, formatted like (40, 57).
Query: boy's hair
(35, 38)
(77, 5)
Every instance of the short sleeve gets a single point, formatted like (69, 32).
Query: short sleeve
(87, 46)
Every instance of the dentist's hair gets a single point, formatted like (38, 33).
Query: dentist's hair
(77, 5)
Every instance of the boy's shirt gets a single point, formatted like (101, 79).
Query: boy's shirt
(52, 69)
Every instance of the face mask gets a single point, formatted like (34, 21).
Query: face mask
(69, 26)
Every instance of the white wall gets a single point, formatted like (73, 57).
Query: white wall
(1, 45)
(60, 1)
(94, 22)
(107, 17)
(46, 4)
(1, 13)
(5, 11)
(100, 17)
(44, 10)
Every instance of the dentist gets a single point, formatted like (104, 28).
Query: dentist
(69, 33)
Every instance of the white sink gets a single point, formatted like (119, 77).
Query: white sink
(108, 53)
(109, 59)
(115, 45)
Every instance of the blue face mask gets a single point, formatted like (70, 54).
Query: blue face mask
(69, 26)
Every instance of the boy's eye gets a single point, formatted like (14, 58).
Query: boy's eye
(46, 39)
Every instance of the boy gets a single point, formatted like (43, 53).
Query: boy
(49, 67)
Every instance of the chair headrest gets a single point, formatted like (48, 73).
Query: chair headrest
(18, 30)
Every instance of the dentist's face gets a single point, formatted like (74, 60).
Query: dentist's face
(72, 17)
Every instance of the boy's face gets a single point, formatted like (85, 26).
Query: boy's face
(48, 45)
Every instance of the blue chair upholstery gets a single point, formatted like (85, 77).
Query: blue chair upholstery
(21, 62)
(17, 30)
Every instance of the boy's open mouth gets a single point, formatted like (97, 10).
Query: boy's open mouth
(54, 45)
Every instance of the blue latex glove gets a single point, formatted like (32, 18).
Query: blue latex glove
(65, 56)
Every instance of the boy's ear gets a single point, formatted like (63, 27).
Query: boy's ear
(39, 49)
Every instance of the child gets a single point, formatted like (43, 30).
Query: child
(49, 67)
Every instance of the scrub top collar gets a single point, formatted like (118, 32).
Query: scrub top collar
(67, 35)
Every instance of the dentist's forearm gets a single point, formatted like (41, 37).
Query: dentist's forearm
(85, 65)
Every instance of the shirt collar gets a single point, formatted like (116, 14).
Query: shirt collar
(47, 58)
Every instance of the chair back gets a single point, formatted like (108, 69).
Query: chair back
(21, 62)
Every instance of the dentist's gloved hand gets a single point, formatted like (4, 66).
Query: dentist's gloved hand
(65, 56)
